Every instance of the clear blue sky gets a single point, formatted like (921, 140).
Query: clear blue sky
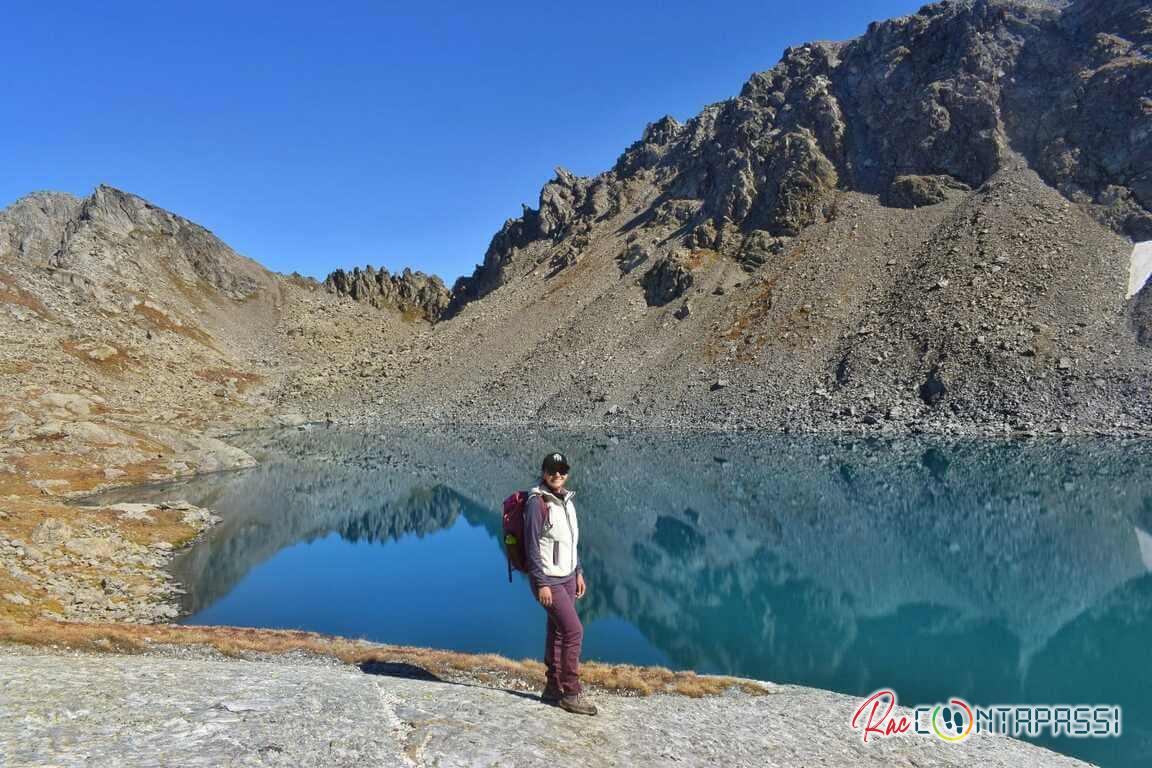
(311, 136)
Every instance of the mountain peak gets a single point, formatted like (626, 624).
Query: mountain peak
(945, 95)
(113, 236)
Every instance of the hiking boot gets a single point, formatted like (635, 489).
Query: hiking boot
(550, 695)
(578, 704)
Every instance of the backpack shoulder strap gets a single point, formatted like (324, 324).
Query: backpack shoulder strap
(543, 504)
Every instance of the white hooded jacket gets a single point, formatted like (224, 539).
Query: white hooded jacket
(554, 554)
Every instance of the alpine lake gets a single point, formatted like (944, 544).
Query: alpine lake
(996, 571)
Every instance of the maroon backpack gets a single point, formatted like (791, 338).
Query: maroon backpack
(514, 531)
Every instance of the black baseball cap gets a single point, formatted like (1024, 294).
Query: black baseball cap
(555, 461)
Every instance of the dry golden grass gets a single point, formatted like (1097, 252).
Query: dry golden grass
(37, 599)
(753, 315)
(112, 365)
(566, 277)
(13, 367)
(236, 641)
(77, 474)
(159, 321)
(10, 293)
(221, 375)
(71, 471)
(12, 484)
(23, 512)
(700, 257)
(168, 525)
(52, 460)
(758, 307)
(412, 315)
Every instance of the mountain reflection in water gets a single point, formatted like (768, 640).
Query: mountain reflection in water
(1000, 572)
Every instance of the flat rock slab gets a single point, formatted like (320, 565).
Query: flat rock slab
(111, 710)
(145, 711)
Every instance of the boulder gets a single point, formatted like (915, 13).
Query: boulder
(667, 280)
(919, 191)
(51, 532)
(91, 546)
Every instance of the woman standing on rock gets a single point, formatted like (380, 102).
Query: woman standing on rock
(551, 534)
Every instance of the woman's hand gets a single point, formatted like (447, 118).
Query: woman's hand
(581, 587)
(544, 595)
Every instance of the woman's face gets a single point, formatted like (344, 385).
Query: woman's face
(554, 480)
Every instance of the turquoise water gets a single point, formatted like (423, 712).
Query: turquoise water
(415, 590)
(999, 572)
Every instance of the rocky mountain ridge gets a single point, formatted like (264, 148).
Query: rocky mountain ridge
(918, 107)
(410, 292)
(926, 228)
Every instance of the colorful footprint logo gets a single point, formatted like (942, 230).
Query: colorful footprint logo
(952, 721)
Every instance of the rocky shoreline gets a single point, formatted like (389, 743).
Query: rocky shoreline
(848, 426)
(94, 573)
(66, 559)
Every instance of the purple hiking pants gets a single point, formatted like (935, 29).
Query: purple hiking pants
(563, 640)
